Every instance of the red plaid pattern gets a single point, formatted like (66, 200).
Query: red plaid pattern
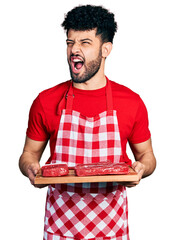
(95, 211)
(50, 236)
(87, 216)
(86, 140)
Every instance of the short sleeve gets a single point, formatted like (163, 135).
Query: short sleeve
(140, 132)
(37, 124)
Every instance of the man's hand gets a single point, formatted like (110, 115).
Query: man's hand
(32, 170)
(29, 160)
(145, 163)
(139, 168)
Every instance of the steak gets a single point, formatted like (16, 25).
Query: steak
(54, 170)
(101, 168)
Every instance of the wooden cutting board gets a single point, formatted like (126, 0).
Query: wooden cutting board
(72, 178)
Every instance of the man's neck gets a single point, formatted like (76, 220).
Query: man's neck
(96, 82)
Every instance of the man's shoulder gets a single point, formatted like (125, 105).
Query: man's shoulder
(55, 92)
(120, 90)
(59, 88)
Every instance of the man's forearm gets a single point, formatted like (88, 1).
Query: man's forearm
(31, 156)
(145, 163)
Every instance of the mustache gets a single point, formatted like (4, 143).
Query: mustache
(77, 55)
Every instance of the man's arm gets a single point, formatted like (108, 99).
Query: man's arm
(29, 160)
(145, 163)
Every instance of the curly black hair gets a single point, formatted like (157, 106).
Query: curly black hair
(89, 17)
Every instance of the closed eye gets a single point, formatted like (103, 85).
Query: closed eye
(86, 42)
(83, 42)
(69, 43)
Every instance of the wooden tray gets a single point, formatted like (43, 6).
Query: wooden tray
(72, 178)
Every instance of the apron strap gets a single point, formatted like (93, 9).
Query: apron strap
(109, 99)
(69, 98)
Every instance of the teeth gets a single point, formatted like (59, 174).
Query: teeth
(77, 60)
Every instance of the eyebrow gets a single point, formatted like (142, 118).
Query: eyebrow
(82, 40)
(86, 39)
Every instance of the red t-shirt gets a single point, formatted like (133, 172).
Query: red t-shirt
(131, 112)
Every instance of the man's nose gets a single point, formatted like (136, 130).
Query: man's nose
(76, 48)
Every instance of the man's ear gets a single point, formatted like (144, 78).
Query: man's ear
(106, 49)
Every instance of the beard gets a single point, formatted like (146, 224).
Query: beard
(91, 69)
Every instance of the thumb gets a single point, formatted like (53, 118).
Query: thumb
(138, 168)
(34, 168)
(135, 166)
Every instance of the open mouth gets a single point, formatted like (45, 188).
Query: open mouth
(77, 63)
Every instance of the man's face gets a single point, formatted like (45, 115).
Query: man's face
(84, 54)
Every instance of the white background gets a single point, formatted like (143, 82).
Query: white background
(33, 58)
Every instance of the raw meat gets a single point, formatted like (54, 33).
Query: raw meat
(54, 170)
(101, 168)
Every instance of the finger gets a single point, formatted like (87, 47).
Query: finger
(130, 184)
(40, 185)
(134, 165)
(139, 168)
(139, 171)
(32, 171)
(31, 176)
(34, 168)
(133, 184)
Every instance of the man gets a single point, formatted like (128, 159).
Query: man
(88, 119)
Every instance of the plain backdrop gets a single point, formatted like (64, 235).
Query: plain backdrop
(33, 58)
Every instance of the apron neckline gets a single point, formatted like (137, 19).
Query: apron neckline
(89, 119)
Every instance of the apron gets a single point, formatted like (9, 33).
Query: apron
(93, 211)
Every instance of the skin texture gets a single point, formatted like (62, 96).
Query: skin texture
(87, 47)
(91, 60)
